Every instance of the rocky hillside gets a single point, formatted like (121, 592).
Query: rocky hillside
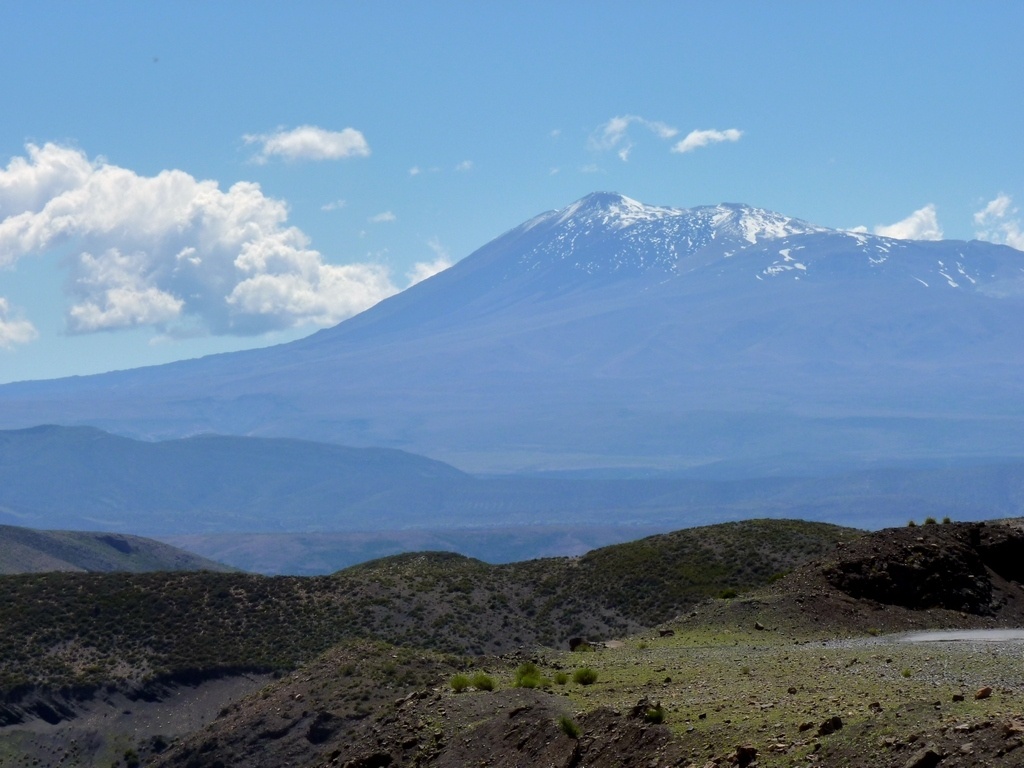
(398, 662)
(949, 575)
(758, 680)
(88, 630)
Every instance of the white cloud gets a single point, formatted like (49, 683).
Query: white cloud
(697, 139)
(319, 293)
(308, 142)
(465, 165)
(415, 171)
(995, 210)
(383, 218)
(334, 205)
(14, 329)
(173, 252)
(614, 135)
(998, 222)
(424, 269)
(922, 224)
(114, 293)
(28, 182)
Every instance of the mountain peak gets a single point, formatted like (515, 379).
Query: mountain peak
(601, 199)
(606, 232)
(610, 209)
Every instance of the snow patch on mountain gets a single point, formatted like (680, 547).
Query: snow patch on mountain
(754, 224)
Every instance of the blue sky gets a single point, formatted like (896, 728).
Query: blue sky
(184, 178)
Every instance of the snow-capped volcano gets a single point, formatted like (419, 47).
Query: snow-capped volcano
(615, 211)
(610, 332)
(605, 232)
(609, 234)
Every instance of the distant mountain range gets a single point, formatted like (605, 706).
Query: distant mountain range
(23, 550)
(84, 478)
(330, 506)
(611, 334)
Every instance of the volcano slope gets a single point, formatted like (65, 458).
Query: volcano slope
(614, 334)
(802, 671)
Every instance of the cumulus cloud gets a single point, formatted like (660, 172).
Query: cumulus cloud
(172, 252)
(383, 217)
(14, 329)
(998, 222)
(114, 293)
(922, 224)
(614, 135)
(424, 269)
(697, 139)
(308, 142)
(465, 165)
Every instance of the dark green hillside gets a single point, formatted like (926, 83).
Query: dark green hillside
(88, 629)
(650, 579)
(24, 550)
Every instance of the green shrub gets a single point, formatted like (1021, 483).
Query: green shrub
(906, 672)
(528, 676)
(528, 669)
(568, 727)
(460, 683)
(560, 678)
(930, 521)
(911, 524)
(946, 520)
(728, 593)
(584, 676)
(483, 682)
(655, 714)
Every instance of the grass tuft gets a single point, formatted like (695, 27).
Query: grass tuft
(569, 727)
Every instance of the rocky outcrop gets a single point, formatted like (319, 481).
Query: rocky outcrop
(947, 566)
